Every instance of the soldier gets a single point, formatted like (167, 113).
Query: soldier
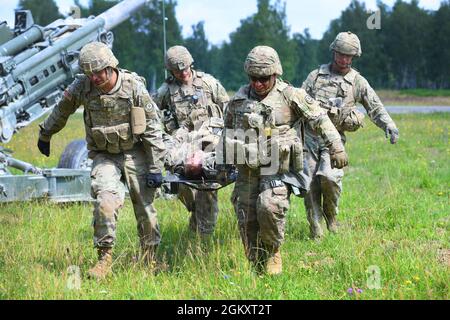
(124, 139)
(338, 87)
(191, 100)
(268, 111)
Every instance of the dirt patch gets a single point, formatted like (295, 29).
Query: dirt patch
(316, 261)
(9, 219)
(444, 256)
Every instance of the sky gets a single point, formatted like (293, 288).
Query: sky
(223, 17)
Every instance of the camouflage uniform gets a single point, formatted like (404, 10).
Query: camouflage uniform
(186, 108)
(262, 201)
(118, 152)
(322, 84)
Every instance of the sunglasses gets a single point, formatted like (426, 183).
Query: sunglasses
(260, 79)
(91, 74)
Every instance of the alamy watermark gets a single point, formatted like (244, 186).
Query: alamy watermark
(373, 277)
(374, 21)
(74, 278)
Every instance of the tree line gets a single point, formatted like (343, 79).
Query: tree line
(410, 50)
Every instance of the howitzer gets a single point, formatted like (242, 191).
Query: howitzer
(36, 65)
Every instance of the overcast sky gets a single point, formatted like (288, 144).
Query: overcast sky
(223, 17)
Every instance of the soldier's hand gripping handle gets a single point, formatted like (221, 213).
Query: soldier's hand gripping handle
(338, 156)
(392, 131)
(44, 147)
(223, 173)
(154, 180)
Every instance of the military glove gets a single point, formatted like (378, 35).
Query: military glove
(154, 180)
(223, 173)
(391, 130)
(338, 156)
(44, 147)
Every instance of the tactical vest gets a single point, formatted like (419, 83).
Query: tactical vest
(108, 118)
(327, 86)
(190, 106)
(271, 121)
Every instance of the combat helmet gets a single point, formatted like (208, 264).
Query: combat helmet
(178, 58)
(96, 56)
(347, 43)
(263, 61)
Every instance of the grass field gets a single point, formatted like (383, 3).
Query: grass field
(415, 97)
(395, 215)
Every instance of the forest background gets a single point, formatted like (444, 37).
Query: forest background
(410, 50)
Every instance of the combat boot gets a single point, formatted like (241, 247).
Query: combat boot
(103, 266)
(316, 232)
(332, 224)
(274, 264)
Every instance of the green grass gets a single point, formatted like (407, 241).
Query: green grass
(415, 97)
(426, 92)
(394, 214)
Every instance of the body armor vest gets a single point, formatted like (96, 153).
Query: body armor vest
(191, 106)
(270, 122)
(107, 116)
(328, 86)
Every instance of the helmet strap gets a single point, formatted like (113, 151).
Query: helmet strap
(109, 72)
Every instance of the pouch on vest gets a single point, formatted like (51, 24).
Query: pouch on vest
(113, 139)
(99, 137)
(214, 111)
(285, 152)
(297, 156)
(350, 119)
(198, 116)
(138, 120)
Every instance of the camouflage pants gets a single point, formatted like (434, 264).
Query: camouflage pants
(322, 200)
(202, 205)
(109, 175)
(261, 204)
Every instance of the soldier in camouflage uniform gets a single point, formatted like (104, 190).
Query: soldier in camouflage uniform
(124, 139)
(338, 88)
(190, 99)
(272, 110)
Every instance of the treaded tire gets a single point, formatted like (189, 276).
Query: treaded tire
(75, 156)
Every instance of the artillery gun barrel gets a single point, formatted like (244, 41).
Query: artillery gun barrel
(108, 20)
(32, 35)
(21, 57)
(120, 12)
(58, 47)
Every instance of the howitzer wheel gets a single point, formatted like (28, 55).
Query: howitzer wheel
(75, 156)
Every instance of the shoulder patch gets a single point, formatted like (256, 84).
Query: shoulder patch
(309, 99)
